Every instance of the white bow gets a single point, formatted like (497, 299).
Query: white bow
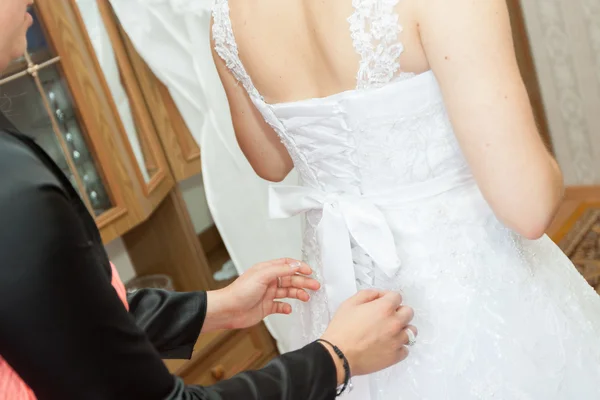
(344, 216)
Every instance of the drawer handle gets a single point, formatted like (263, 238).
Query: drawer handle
(218, 372)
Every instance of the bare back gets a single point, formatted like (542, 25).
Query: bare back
(305, 49)
(410, 169)
(300, 49)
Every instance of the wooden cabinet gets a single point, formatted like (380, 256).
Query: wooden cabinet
(152, 172)
(90, 100)
(179, 145)
(93, 104)
(222, 355)
(58, 93)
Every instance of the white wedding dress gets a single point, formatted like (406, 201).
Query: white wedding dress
(390, 202)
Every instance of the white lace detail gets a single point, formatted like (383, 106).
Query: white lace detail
(226, 46)
(499, 316)
(375, 29)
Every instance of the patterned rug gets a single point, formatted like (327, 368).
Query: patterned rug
(581, 243)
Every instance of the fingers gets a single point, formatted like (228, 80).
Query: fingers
(300, 282)
(405, 314)
(300, 266)
(280, 307)
(366, 296)
(403, 353)
(393, 298)
(292, 293)
(281, 261)
(404, 335)
(397, 326)
(272, 270)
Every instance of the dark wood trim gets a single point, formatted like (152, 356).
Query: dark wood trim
(210, 239)
(96, 113)
(183, 153)
(576, 201)
(220, 355)
(161, 180)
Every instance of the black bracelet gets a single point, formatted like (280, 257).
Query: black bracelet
(342, 357)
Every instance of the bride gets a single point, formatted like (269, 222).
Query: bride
(422, 172)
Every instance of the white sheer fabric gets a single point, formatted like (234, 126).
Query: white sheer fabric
(173, 38)
(499, 316)
(106, 58)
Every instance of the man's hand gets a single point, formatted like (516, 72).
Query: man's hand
(253, 296)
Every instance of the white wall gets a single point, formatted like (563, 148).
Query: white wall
(117, 253)
(565, 37)
(195, 198)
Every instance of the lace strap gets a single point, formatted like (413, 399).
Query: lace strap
(374, 28)
(226, 47)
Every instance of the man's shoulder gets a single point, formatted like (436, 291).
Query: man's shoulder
(22, 171)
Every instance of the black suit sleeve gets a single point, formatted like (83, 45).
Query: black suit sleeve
(172, 321)
(66, 333)
(306, 374)
(64, 330)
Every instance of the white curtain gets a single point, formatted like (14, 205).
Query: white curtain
(173, 37)
(92, 19)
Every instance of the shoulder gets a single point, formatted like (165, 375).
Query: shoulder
(454, 11)
(22, 170)
(30, 193)
(40, 226)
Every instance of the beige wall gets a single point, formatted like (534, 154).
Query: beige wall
(565, 37)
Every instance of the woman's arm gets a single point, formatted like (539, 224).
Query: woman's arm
(470, 49)
(64, 330)
(306, 374)
(66, 333)
(258, 141)
(171, 320)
